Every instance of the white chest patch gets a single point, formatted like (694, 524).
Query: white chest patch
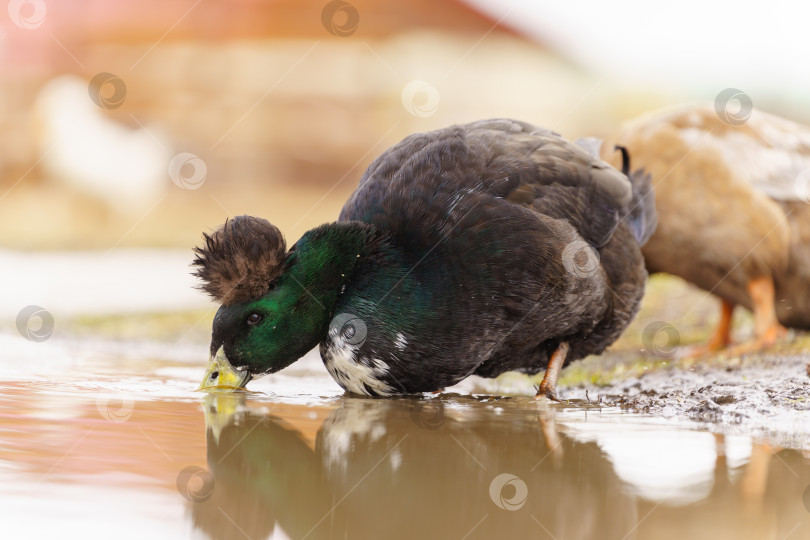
(353, 375)
(401, 342)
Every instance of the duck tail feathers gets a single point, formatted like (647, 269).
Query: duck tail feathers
(641, 214)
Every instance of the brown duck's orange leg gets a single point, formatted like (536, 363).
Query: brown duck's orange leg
(766, 325)
(722, 333)
(721, 338)
(548, 387)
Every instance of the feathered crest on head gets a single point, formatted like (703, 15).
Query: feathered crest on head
(240, 260)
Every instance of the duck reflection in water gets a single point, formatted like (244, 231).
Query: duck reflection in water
(453, 467)
(404, 468)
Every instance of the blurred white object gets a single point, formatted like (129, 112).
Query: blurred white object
(636, 42)
(95, 155)
(119, 281)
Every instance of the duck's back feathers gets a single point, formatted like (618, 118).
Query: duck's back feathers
(504, 159)
(767, 152)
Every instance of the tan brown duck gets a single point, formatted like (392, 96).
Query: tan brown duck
(732, 198)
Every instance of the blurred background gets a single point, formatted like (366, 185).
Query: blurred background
(128, 128)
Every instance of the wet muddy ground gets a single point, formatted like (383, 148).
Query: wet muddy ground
(766, 396)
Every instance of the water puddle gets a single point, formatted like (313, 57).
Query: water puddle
(134, 452)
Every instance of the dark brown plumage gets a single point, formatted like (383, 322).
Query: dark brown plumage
(479, 248)
(240, 260)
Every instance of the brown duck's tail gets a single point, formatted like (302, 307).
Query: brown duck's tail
(641, 214)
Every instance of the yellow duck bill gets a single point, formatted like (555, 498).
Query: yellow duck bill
(222, 376)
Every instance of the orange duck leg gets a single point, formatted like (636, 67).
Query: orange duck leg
(721, 338)
(766, 325)
(767, 329)
(548, 387)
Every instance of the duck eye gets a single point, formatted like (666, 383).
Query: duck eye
(254, 319)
